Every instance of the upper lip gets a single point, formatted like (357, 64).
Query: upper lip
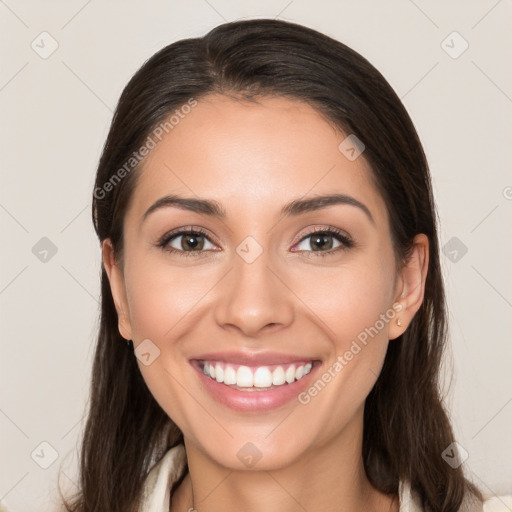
(253, 359)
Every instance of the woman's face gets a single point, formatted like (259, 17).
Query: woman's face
(258, 298)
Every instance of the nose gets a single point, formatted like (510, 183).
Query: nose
(253, 297)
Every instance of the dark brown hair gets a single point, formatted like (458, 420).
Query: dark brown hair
(406, 427)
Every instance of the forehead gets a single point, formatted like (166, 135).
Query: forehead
(255, 155)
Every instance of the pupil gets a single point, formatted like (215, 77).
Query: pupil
(194, 244)
(320, 241)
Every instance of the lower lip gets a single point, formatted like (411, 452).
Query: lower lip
(254, 400)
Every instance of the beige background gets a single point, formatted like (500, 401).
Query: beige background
(55, 114)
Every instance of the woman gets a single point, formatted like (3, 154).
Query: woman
(270, 253)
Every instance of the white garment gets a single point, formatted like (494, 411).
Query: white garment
(170, 467)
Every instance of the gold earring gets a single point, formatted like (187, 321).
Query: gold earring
(398, 322)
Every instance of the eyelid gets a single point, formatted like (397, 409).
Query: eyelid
(344, 238)
(184, 230)
(322, 229)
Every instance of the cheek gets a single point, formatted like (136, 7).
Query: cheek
(354, 307)
(349, 299)
(160, 296)
(162, 302)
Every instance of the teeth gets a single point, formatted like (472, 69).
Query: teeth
(260, 377)
(229, 376)
(219, 373)
(278, 377)
(244, 377)
(290, 374)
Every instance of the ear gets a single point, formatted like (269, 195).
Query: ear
(410, 286)
(116, 279)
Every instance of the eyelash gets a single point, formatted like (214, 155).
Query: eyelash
(346, 242)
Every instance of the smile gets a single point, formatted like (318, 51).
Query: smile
(247, 378)
(253, 383)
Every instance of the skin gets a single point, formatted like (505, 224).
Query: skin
(253, 158)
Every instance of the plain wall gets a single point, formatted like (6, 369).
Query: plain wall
(55, 114)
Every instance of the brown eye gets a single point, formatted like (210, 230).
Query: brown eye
(319, 242)
(191, 242)
(186, 242)
(325, 241)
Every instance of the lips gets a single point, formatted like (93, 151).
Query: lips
(254, 382)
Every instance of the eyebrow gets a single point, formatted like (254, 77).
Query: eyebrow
(296, 207)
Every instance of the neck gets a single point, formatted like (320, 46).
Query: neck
(326, 478)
